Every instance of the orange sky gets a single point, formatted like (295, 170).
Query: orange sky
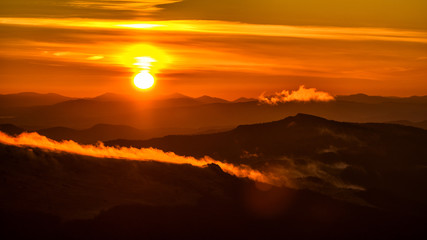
(227, 49)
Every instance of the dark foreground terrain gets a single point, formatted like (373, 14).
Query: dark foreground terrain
(340, 181)
(373, 164)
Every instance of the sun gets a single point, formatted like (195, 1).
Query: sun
(143, 80)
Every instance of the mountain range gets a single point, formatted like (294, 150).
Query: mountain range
(372, 164)
(28, 99)
(183, 114)
(332, 180)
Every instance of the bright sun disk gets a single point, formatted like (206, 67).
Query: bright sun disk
(143, 80)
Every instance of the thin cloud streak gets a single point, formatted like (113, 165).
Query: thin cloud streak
(93, 9)
(143, 154)
(233, 28)
(145, 7)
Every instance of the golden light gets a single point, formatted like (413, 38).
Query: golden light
(144, 57)
(145, 61)
(143, 80)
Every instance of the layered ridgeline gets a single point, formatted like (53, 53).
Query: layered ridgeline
(57, 195)
(374, 164)
(180, 114)
(339, 180)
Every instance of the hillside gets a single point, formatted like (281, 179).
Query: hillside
(382, 165)
(51, 195)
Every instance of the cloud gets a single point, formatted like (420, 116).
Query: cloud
(228, 28)
(301, 95)
(400, 14)
(102, 9)
(306, 174)
(292, 173)
(96, 57)
(138, 154)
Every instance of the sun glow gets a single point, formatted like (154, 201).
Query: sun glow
(144, 57)
(145, 61)
(143, 80)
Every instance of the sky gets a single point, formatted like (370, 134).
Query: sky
(223, 48)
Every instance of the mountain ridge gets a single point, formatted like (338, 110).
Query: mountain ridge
(332, 177)
(51, 195)
(339, 158)
(190, 112)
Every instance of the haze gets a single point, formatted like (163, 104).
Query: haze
(228, 49)
(213, 119)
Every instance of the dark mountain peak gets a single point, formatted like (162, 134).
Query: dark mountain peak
(28, 99)
(422, 124)
(209, 99)
(34, 94)
(301, 120)
(367, 99)
(359, 95)
(175, 95)
(214, 167)
(304, 116)
(104, 126)
(362, 98)
(244, 100)
(109, 97)
(11, 129)
(26, 94)
(205, 97)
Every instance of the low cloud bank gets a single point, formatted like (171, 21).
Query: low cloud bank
(301, 95)
(138, 154)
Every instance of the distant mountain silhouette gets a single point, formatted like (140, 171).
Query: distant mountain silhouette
(422, 124)
(184, 112)
(243, 100)
(28, 99)
(208, 99)
(363, 98)
(112, 97)
(11, 129)
(174, 95)
(105, 132)
(189, 101)
(371, 163)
